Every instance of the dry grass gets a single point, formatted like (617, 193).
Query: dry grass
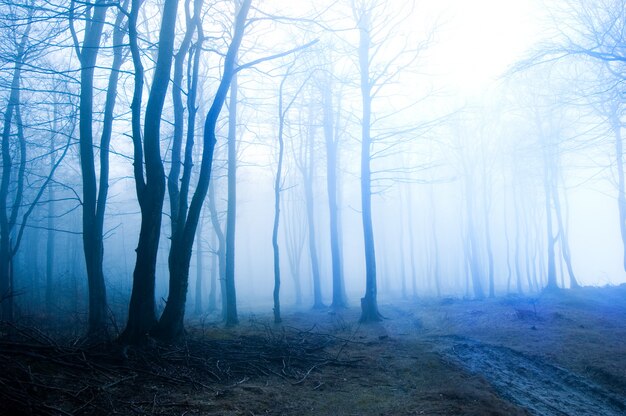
(321, 363)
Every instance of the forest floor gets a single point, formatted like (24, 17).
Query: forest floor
(551, 354)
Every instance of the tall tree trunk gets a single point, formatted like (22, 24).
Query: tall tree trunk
(550, 239)
(507, 241)
(212, 301)
(8, 216)
(332, 142)
(94, 196)
(616, 126)
(518, 271)
(473, 252)
(151, 190)
(308, 173)
(369, 303)
(486, 219)
(277, 189)
(401, 252)
(170, 326)
(527, 254)
(295, 244)
(221, 250)
(565, 251)
(231, 317)
(50, 240)
(178, 201)
(199, 269)
(435, 242)
(411, 231)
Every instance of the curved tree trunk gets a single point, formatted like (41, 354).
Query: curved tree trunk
(8, 216)
(151, 191)
(170, 326)
(221, 252)
(277, 188)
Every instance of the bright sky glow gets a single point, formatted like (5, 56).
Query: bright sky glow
(478, 40)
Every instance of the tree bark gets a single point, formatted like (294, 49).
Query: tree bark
(616, 126)
(199, 269)
(8, 216)
(50, 240)
(151, 190)
(277, 189)
(221, 252)
(170, 326)
(552, 284)
(369, 303)
(230, 291)
(332, 142)
(307, 170)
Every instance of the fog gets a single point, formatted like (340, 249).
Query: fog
(488, 134)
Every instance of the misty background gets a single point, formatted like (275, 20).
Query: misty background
(495, 138)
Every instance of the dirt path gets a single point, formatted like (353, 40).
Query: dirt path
(530, 382)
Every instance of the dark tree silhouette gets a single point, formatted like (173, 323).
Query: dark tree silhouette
(151, 187)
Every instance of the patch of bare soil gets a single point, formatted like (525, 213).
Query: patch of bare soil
(532, 383)
(557, 354)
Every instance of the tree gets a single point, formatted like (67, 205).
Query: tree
(22, 54)
(305, 162)
(151, 187)
(9, 213)
(283, 111)
(369, 304)
(220, 251)
(593, 35)
(294, 230)
(230, 292)
(171, 323)
(376, 30)
(94, 192)
(331, 138)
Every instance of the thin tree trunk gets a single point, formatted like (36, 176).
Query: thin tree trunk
(509, 274)
(411, 231)
(435, 241)
(332, 142)
(563, 237)
(616, 126)
(486, 219)
(50, 240)
(550, 240)
(472, 245)
(277, 189)
(212, 302)
(369, 302)
(308, 170)
(230, 293)
(221, 250)
(295, 245)
(8, 219)
(402, 256)
(199, 268)
(518, 271)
